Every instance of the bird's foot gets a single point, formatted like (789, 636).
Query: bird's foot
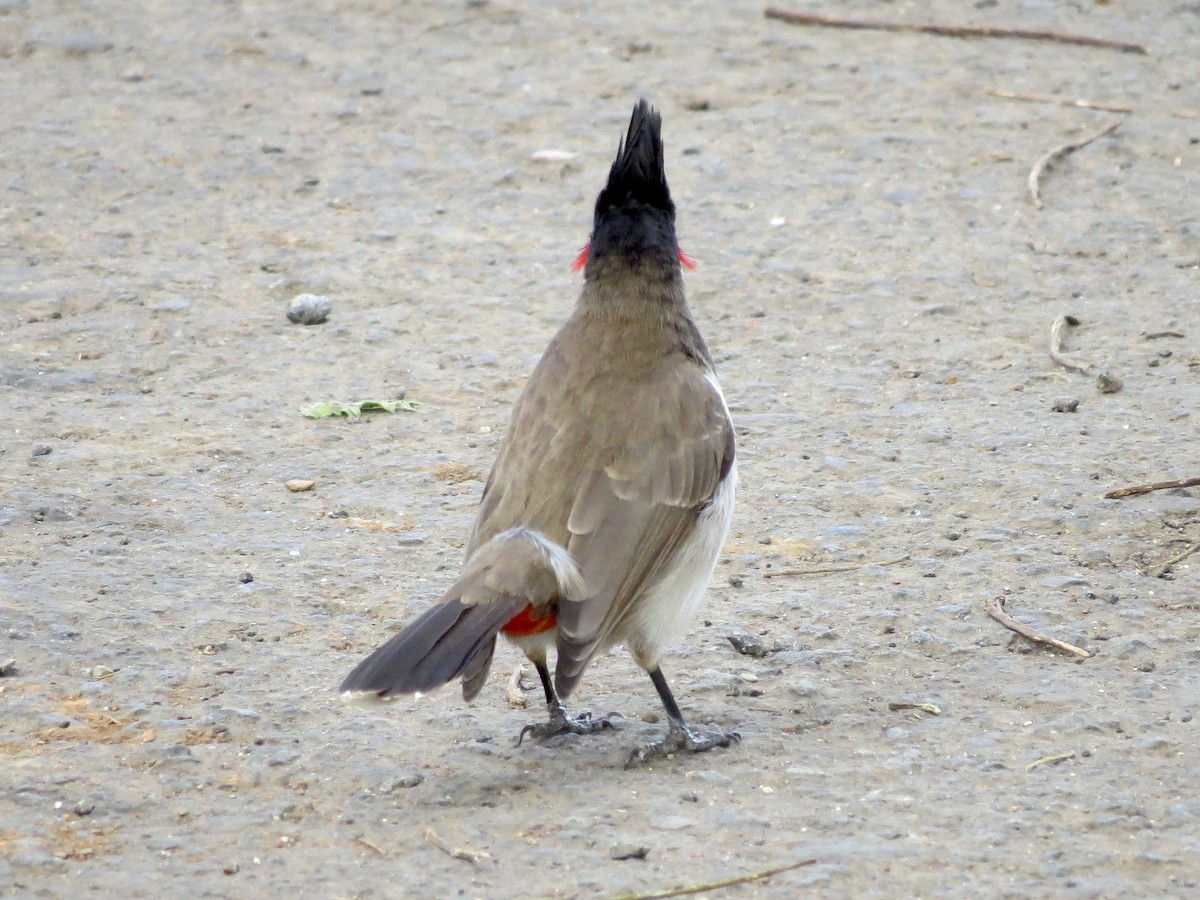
(561, 723)
(681, 738)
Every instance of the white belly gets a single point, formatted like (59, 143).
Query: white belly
(668, 606)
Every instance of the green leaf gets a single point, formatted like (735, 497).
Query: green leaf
(354, 409)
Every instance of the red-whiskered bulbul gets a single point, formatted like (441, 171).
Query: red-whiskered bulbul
(603, 516)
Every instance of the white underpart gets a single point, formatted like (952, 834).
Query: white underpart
(664, 613)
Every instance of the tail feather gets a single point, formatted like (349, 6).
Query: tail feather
(433, 650)
(458, 636)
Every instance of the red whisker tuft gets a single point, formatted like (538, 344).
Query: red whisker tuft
(582, 258)
(687, 261)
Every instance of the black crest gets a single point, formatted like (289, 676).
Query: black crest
(634, 212)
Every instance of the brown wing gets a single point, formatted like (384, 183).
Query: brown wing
(634, 510)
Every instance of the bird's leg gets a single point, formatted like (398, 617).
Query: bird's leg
(560, 722)
(681, 737)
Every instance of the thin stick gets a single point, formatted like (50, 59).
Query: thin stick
(1147, 488)
(932, 708)
(995, 609)
(1050, 760)
(369, 845)
(516, 696)
(1056, 347)
(471, 856)
(782, 572)
(1155, 335)
(962, 31)
(1182, 555)
(1062, 101)
(1049, 156)
(706, 886)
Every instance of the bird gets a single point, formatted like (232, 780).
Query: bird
(613, 491)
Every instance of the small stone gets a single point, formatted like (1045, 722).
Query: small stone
(401, 782)
(629, 851)
(748, 645)
(299, 485)
(552, 156)
(40, 450)
(309, 309)
(246, 577)
(99, 672)
(8, 668)
(84, 808)
(1108, 384)
(231, 869)
(1065, 405)
(737, 581)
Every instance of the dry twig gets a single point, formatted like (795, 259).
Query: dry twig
(995, 609)
(1051, 759)
(961, 31)
(362, 840)
(1178, 557)
(1062, 101)
(1056, 347)
(1155, 335)
(1049, 156)
(932, 708)
(705, 886)
(783, 572)
(516, 695)
(472, 856)
(1147, 488)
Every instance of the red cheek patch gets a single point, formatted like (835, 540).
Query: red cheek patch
(582, 258)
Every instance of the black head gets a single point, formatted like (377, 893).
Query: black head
(635, 218)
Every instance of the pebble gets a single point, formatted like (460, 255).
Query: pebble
(748, 645)
(1108, 384)
(40, 450)
(298, 485)
(1065, 405)
(309, 309)
(8, 668)
(246, 577)
(401, 782)
(552, 156)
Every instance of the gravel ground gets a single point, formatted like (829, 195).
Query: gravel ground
(878, 290)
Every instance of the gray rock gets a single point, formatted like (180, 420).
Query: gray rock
(309, 309)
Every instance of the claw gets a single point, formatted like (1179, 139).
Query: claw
(561, 723)
(681, 738)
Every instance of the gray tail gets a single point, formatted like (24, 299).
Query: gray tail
(444, 643)
(458, 636)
